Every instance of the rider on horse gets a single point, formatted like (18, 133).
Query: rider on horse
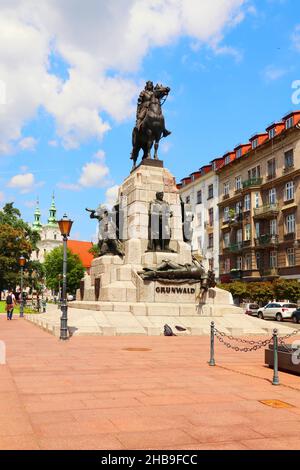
(143, 106)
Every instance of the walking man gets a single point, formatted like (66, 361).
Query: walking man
(10, 304)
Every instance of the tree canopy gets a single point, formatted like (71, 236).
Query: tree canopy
(53, 267)
(16, 239)
(263, 292)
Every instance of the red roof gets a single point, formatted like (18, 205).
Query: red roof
(82, 250)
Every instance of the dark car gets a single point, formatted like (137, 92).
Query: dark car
(296, 316)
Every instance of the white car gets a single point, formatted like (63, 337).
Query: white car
(277, 311)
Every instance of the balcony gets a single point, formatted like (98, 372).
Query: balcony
(252, 182)
(236, 220)
(268, 211)
(226, 196)
(209, 226)
(272, 272)
(271, 176)
(289, 236)
(266, 240)
(235, 247)
(288, 169)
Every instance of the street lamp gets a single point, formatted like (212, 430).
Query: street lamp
(22, 262)
(65, 226)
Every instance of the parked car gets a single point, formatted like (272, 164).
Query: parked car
(277, 311)
(296, 316)
(251, 309)
(70, 297)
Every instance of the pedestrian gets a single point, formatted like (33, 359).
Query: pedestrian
(10, 304)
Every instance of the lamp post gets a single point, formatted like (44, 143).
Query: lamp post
(65, 226)
(22, 262)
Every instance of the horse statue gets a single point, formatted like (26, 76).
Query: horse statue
(152, 128)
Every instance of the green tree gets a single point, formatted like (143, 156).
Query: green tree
(288, 289)
(53, 266)
(16, 239)
(237, 288)
(95, 250)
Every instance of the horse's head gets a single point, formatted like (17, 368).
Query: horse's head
(160, 90)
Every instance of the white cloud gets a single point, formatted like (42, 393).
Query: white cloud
(30, 204)
(296, 38)
(1, 196)
(111, 195)
(53, 143)
(93, 174)
(93, 39)
(28, 143)
(24, 182)
(272, 73)
(165, 146)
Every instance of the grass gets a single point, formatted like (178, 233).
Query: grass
(16, 309)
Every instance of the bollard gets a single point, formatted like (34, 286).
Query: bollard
(275, 366)
(212, 344)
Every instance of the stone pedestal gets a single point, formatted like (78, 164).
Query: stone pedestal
(114, 281)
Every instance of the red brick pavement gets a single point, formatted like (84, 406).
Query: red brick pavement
(90, 393)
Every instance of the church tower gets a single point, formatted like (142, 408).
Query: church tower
(52, 213)
(37, 224)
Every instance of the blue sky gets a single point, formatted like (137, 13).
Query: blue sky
(227, 82)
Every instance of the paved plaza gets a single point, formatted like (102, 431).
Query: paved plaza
(139, 392)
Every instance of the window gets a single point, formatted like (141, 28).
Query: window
(272, 196)
(257, 229)
(239, 263)
(199, 219)
(258, 260)
(188, 199)
(214, 166)
(227, 160)
(273, 227)
(272, 133)
(226, 188)
(226, 239)
(211, 264)
(211, 217)
(226, 213)
(239, 153)
(289, 191)
(256, 200)
(238, 208)
(271, 168)
(290, 255)
(247, 202)
(238, 183)
(200, 243)
(199, 197)
(273, 259)
(289, 122)
(210, 191)
(55, 236)
(290, 223)
(289, 159)
(227, 265)
(247, 232)
(248, 263)
(254, 172)
(211, 240)
(239, 236)
(254, 143)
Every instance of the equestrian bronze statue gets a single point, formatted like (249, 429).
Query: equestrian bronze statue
(150, 122)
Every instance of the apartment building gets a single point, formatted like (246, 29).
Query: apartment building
(200, 190)
(259, 195)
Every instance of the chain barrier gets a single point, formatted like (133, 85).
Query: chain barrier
(254, 345)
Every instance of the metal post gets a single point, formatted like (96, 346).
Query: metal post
(212, 344)
(21, 301)
(64, 305)
(275, 367)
